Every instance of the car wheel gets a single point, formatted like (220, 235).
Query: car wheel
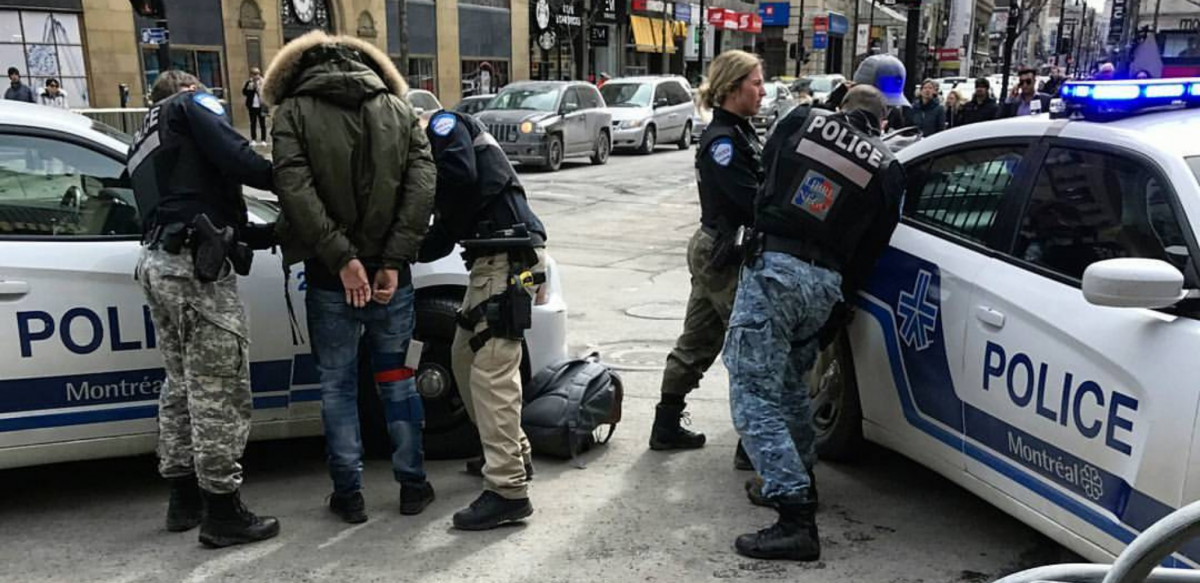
(685, 139)
(603, 148)
(554, 154)
(449, 433)
(649, 141)
(837, 414)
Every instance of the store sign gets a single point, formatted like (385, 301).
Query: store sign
(722, 19)
(838, 24)
(567, 16)
(775, 13)
(751, 23)
(820, 40)
(821, 24)
(611, 11)
(653, 6)
(683, 12)
(1116, 25)
(598, 36)
(944, 55)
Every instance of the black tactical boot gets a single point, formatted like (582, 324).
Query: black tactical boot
(491, 510)
(350, 507)
(754, 490)
(415, 497)
(667, 432)
(793, 537)
(741, 461)
(228, 522)
(186, 508)
(475, 468)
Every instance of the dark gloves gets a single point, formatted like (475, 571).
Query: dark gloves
(839, 318)
(258, 236)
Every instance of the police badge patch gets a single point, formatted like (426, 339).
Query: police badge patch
(210, 102)
(722, 151)
(444, 124)
(816, 194)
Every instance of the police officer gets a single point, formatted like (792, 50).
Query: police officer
(830, 202)
(188, 165)
(729, 171)
(481, 205)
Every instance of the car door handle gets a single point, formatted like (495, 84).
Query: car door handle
(989, 316)
(13, 288)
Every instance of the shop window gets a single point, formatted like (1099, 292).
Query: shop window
(254, 52)
(45, 45)
(421, 73)
(204, 64)
(483, 77)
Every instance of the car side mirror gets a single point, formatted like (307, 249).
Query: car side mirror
(570, 108)
(1133, 283)
(661, 102)
(419, 111)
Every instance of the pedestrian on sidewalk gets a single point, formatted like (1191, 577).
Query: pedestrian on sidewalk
(53, 96)
(252, 90)
(18, 91)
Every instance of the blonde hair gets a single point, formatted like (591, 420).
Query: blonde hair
(958, 97)
(725, 74)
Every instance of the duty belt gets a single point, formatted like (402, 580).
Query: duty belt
(710, 231)
(802, 250)
(172, 238)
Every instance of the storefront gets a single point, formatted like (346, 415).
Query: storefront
(603, 32)
(484, 45)
(734, 30)
(556, 39)
(46, 41)
(422, 41)
(652, 47)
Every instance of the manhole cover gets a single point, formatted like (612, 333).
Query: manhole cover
(635, 355)
(658, 311)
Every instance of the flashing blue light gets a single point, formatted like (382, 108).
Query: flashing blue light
(1194, 89)
(1083, 90)
(1164, 91)
(1116, 92)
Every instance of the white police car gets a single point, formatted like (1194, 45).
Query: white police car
(79, 369)
(1029, 333)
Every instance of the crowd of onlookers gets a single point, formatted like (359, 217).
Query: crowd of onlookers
(51, 95)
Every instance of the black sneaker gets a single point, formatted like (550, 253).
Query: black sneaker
(414, 498)
(475, 468)
(350, 507)
(491, 510)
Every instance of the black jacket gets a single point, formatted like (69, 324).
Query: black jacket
(930, 117)
(187, 159)
(975, 112)
(248, 92)
(729, 170)
(1009, 109)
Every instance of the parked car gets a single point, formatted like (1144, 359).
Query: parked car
(701, 117)
(544, 122)
(474, 104)
(80, 371)
(647, 111)
(424, 103)
(776, 104)
(820, 85)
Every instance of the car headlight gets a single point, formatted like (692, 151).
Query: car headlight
(632, 124)
(527, 127)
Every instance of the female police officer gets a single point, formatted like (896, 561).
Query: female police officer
(728, 170)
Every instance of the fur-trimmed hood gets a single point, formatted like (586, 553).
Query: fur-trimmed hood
(287, 76)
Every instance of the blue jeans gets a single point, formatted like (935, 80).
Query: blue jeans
(335, 329)
(781, 304)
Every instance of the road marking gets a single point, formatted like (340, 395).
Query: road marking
(341, 536)
(225, 563)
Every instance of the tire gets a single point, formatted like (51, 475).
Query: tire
(649, 141)
(554, 154)
(837, 412)
(603, 149)
(449, 433)
(685, 139)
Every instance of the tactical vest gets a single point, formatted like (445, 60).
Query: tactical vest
(172, 179)
(498, 199)
(824, 188)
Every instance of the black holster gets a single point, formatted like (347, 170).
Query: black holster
(210, 248)
(510, 313)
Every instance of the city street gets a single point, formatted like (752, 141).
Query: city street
(619, 234)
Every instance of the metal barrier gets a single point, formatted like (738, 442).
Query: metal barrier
(128, 119)
(1138, 563)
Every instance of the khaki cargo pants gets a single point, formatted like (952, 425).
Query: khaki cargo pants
(489, 382)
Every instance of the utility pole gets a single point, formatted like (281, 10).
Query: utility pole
(703, 32)
(854, 47)
(800, 52)
(1010, 37)
(910, 44)
(1058, 43)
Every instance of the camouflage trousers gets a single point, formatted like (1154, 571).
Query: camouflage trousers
(708, 309)
(781, 304)
(205, 406)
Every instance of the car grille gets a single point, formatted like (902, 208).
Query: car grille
(504, 132)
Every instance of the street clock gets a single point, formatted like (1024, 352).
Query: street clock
(304, 10)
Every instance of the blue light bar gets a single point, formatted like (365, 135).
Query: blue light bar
(1108, 99)
(1158, 91)
(1116, 92)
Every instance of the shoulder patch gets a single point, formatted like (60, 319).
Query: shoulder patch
(210, 102)
(721, 151)
(443, 124)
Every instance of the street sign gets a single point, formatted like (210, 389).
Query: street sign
(820, 40)
(155, 36)
(775, 13)
(598, 36)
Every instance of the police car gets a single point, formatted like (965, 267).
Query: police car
(1033, 331)
(79, 369)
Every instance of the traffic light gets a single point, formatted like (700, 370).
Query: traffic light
(149, 8)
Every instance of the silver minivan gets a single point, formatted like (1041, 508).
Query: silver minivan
(647, 111)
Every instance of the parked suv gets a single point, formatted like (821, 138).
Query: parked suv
(776, 104)
(650, 110)
(544, 122)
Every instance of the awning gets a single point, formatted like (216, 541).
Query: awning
(680, 29)
(648, 34)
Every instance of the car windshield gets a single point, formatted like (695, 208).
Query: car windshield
(627, 94)
(536, 98)
(423, 100)
(821, 84)
(1194, 163)
(112, 132)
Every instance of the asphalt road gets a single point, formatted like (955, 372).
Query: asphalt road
(619, 233)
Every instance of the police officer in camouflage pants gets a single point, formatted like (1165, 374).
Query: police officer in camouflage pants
(827, 210)
(729, 170)
(188, 165)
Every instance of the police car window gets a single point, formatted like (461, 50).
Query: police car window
(54, 188)
(1090, 206)
(961, 192)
